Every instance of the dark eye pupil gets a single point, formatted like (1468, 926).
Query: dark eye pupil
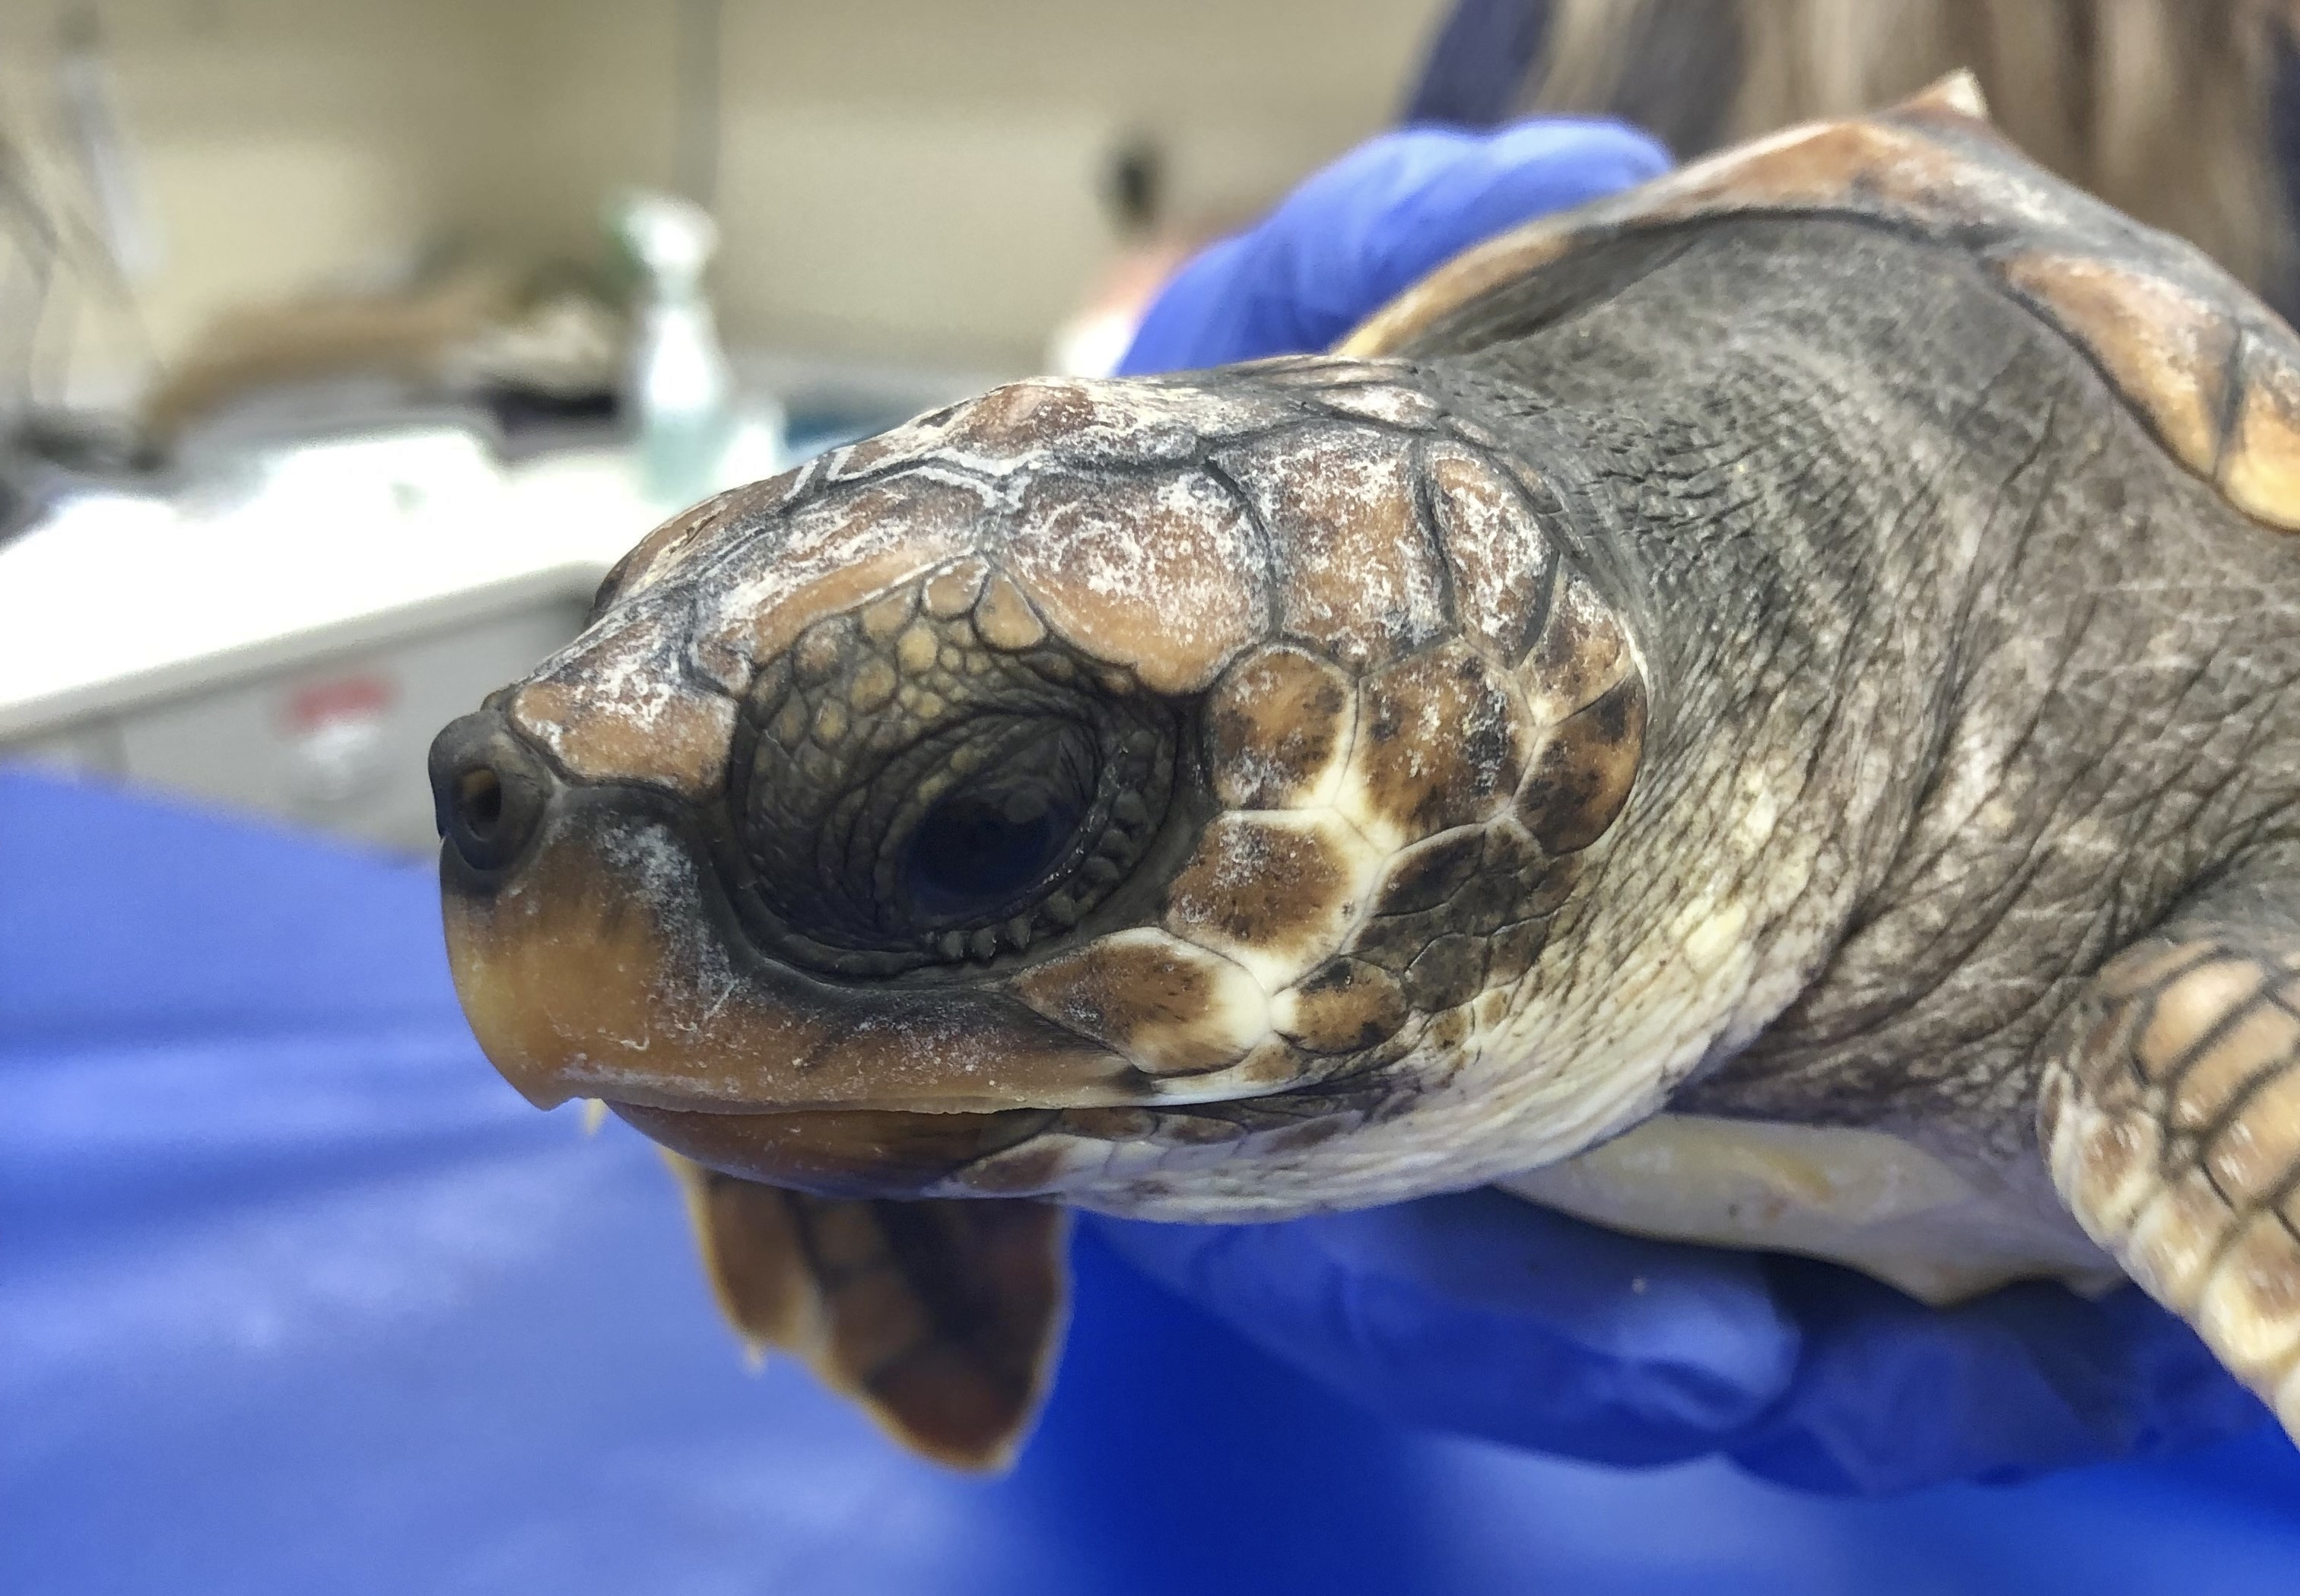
(976, 850)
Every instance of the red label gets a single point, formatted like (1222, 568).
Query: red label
(341, 698)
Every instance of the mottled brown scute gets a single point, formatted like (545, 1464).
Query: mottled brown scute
(1277, 725)
(1441, 744)
(1170, 1006)
(1584, 772)
(1428, 874)
(1273, 891)
(1359, 578)
(1447, 973)
(1503, 565)
(1163, 575)
(1346, 1006)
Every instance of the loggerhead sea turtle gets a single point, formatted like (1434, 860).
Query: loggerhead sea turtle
(1765, 709)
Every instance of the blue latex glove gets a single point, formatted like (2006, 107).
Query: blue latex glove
(1485, 1315)
(1370, 225)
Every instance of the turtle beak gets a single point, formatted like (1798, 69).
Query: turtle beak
(596, 955)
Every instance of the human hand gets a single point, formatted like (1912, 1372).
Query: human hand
(1485, 1315)
(1370, 225)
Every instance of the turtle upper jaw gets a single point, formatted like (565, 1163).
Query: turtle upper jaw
(596, 957)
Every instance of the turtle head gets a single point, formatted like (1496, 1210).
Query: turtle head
(1131, 791)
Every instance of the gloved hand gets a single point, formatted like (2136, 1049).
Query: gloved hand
(1488, 1315)
(1368, 226)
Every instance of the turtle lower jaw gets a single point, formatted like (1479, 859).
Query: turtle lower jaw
(838, 1152)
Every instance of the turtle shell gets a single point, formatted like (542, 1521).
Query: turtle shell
(2213, 372)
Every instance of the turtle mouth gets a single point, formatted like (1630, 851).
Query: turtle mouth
(838, 1152)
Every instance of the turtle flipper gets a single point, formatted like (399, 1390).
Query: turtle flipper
(942, 1319)
(2172, 1118)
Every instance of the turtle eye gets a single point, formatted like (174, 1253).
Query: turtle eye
(988, 803)
(999, 829)
(976, 851)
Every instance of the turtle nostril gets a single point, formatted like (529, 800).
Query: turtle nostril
(480, 800)
(491, 789)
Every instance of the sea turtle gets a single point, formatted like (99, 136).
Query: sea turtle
(1763, 710)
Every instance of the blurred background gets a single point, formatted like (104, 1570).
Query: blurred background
(343, 345)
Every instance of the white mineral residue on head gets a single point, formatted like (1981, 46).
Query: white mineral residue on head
(624, 672)
(828, 538)
(638, 680)
(1117, 555)
(657, 873)
(1348, 582)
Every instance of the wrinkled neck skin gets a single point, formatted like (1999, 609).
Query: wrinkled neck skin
(1794, 547)
(1789, 601)
(1953, 675)
(1791, 609)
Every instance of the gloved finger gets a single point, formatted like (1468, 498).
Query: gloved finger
(1369, 226)
(2030, 1378)
(1484, 1315)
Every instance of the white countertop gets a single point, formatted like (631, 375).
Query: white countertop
(118, 600)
